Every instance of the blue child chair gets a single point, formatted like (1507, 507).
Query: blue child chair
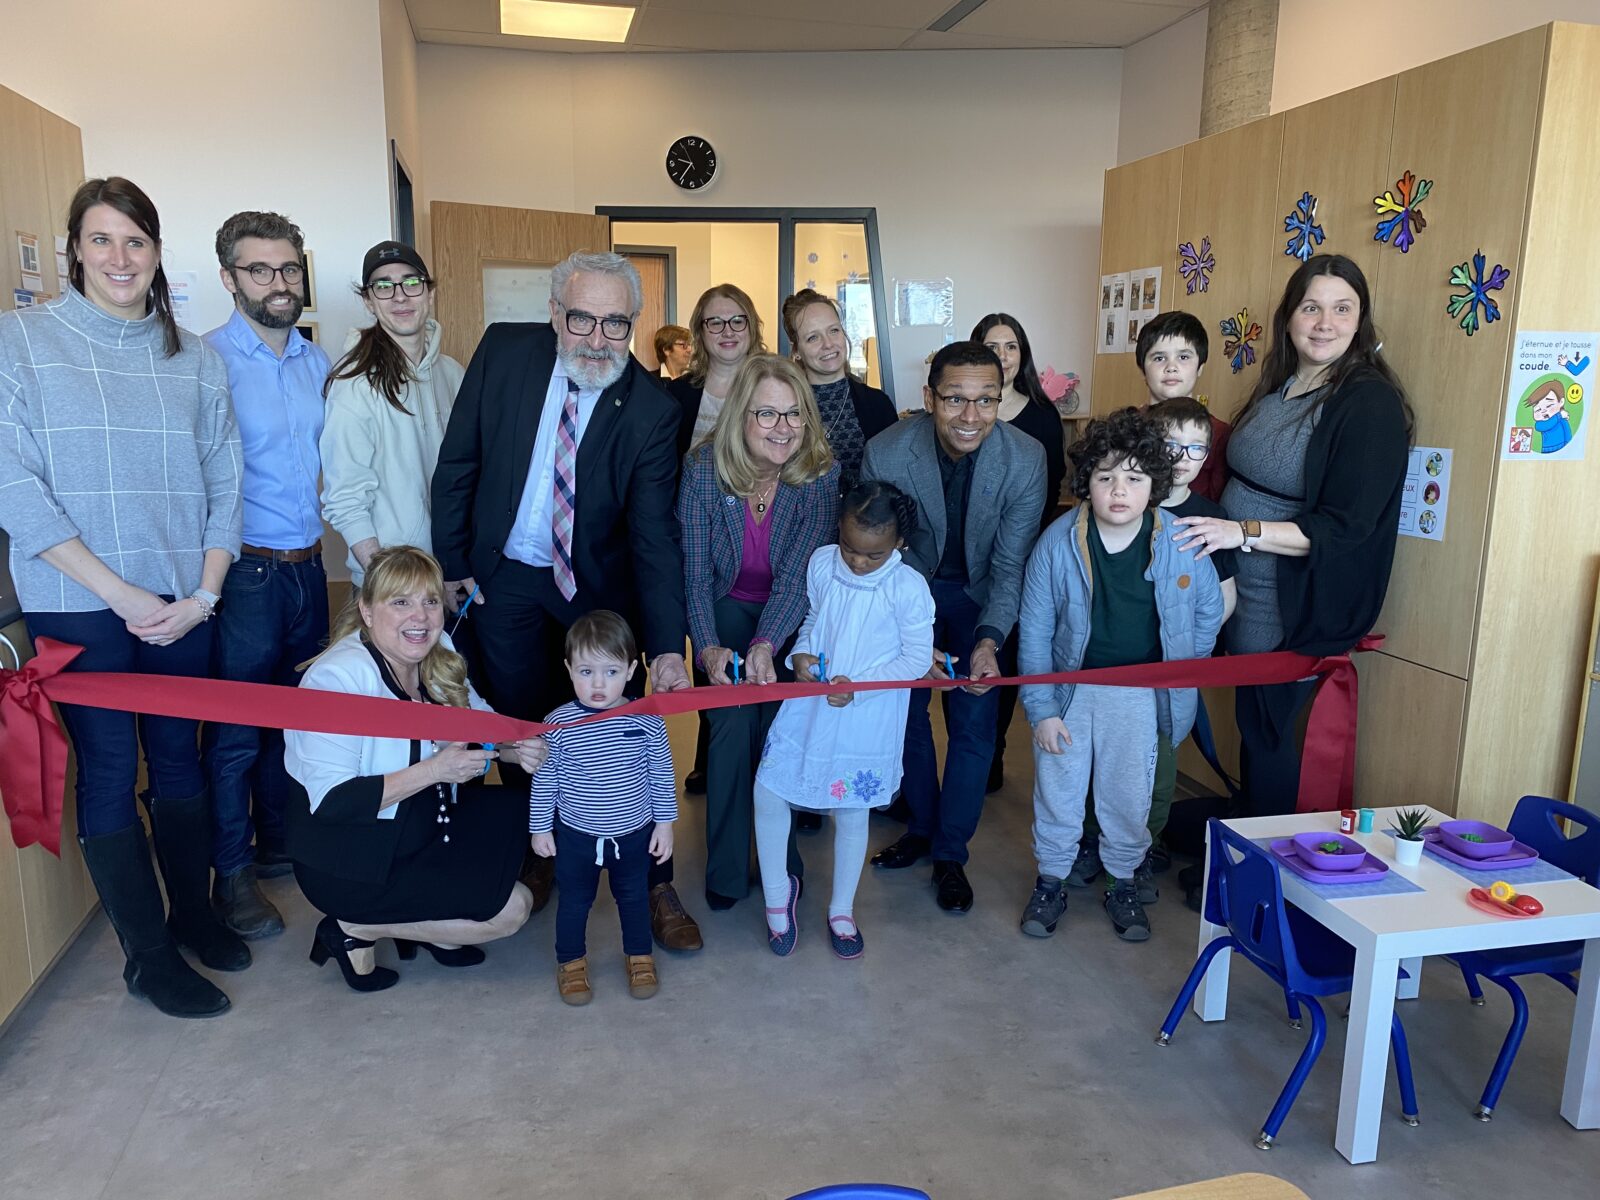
(862, 1191)
(1301, 956)
(1534, 822)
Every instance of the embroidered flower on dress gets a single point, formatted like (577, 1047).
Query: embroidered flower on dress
(867, 785)
(838, 788)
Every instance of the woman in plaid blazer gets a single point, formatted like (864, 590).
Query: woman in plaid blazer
(756, 500)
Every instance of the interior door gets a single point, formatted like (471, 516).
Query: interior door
(493, 263)
(652, 270)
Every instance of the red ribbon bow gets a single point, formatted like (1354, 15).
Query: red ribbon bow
(33, 761)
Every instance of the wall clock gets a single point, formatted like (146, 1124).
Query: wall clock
(691, 163)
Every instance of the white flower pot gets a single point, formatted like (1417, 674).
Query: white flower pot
(1407, 854)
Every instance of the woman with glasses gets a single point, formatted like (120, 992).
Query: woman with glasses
(389, 400)
(120, 487)
(852, 412)
(757, 498)
(726, 330)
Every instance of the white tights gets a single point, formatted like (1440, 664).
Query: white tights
(772, 852)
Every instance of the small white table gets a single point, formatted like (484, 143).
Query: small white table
(1390, 931)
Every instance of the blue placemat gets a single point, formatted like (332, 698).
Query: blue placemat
(1539, 872)
(1391, 884)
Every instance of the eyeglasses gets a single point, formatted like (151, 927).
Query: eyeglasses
(680, 344)
(292, 273)
(411, 285)
(767, 418)
(581, 324)
(717, 324)
(1194, 450)
(957, 404)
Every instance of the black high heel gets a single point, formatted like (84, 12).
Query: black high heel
(460, 956)
(333, 942)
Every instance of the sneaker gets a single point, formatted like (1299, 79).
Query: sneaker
(1045, 906)
(1144, 879)
(1126, 913)
(1087, 865)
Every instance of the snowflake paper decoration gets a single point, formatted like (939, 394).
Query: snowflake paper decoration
(1240, 331)
(1196, 266)
(1478, 289)
(1303, 229)
(1404, 212)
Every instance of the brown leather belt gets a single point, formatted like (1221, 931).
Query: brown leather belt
(283, 556)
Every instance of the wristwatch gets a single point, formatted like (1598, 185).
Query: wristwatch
(1252, 534)
(206, 600)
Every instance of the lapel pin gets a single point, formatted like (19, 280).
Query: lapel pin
(617, 401)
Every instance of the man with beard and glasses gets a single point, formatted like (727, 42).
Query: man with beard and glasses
(554, 496)
(273, 609)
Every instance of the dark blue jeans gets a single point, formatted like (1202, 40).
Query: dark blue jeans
(273, 616)
(948, 815)
(627, 866)
(107, 742)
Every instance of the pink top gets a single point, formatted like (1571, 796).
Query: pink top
(753, 583)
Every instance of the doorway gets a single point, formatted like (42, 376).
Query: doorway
(658, 270)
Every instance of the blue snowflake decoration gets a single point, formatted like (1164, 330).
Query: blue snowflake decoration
(1196, 266)
(1477, 297)
(1305, 233)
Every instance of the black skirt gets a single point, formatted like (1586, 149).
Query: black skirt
(469, 877)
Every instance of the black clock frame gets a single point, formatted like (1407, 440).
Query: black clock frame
(691, 162)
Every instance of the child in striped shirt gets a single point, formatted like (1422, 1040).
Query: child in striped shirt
(605, 797)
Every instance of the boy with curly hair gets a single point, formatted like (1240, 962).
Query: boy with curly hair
(1107, 586)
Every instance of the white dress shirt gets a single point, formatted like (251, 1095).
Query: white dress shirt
(531, 533)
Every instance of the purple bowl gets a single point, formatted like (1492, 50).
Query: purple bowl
(1351, 856)
(1496, 841)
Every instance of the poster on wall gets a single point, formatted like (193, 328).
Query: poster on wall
(182, 285)
(1111, 334)
(924, 302)
(1547, 402)
(1425, 495)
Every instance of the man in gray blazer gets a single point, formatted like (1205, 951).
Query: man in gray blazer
(979, 489)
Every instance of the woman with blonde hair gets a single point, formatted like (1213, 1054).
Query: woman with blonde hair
(852, 412)
(757, 498)
(395, 838)
(725, 329)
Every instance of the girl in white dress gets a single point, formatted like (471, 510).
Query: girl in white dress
(871, 618)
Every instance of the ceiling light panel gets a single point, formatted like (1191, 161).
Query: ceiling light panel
(572, 22)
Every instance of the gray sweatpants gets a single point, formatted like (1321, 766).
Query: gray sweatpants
(1113, 732)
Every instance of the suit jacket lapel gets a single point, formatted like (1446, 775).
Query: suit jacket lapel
(732, 510)
(983, 502)
(525, 429)
(601, 429)
(927, 482)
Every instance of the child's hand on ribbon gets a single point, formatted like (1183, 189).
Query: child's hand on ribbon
(806, 668)
(840, 699)
(1051, 735)
(544, 844)
(943, 665)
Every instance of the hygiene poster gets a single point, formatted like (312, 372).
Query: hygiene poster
(1547, 403)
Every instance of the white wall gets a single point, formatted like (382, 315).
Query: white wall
(166, 95)
(986, 166)
(399, 48)
(1324, 49)
(1161, 78)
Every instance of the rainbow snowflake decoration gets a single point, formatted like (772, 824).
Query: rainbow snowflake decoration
(1196, 266)
(1301, 225)
(1240, 331)
(1402, 208)
(1477, 298)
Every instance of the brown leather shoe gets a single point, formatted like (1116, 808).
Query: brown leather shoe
(539, 877)
(673, 927)
(642, 980)
(572, 981)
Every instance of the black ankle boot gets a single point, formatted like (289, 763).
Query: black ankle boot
(182, 829)
(119, 865)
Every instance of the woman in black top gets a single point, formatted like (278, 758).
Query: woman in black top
(852, 412)
(1025, 405)
(726, 330)
(1318, 456)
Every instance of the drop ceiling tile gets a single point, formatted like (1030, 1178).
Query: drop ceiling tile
(1104, 22)
(702, 31)
(890, 14)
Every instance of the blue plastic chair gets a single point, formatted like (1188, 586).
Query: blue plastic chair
(1301, 956)
(862, 1191)
(1534, 822)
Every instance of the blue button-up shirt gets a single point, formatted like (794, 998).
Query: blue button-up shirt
(278, 405)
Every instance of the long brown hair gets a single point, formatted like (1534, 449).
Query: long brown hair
(128, 199)
(737, 473)
(377, 358)
(1362, 358)
(700, 362)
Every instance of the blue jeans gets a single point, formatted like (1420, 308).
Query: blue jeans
(627, 865)
(948, 816)
(107, 742)
(273, 616)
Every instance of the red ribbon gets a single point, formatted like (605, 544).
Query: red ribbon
(33, 750)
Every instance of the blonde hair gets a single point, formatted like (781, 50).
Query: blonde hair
(700, 363)
(397, 571)
(736, 469)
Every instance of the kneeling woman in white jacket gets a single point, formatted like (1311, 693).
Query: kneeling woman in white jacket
(389, 398)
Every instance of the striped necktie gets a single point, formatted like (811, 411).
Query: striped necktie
(566, 495)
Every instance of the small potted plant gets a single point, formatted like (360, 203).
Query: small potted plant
(1408, 825)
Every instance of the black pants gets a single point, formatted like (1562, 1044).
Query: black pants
(1269, 749)
(627, 866)
(519, 635)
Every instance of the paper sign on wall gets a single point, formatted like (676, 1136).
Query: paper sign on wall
(1425, 495)
(924, 302)
(1128, 300)
(28, 252)
(182, 285)
(1547, 403)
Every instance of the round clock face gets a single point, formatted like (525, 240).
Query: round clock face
(691, 163)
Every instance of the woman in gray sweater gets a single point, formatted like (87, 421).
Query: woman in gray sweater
(119, 486)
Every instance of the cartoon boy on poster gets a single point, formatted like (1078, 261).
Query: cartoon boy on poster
(1550, 419)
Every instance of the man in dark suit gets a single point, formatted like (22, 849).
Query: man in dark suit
(553, 496)
(979, 486)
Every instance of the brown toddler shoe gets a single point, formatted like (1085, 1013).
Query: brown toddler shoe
(572, 981)
(642, 980)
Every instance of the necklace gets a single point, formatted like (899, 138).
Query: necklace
(762, 497)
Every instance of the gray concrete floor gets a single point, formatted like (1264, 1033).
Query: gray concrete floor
(958, 1056)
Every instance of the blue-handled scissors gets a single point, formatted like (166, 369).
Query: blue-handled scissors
(489, 749)
(466, 608)
(737, 663)
(949, 665)
(822, 667)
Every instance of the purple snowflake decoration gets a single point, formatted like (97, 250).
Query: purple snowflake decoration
(1403, 209)
(1303, 229)
(1478, 288)
(1196, 266)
